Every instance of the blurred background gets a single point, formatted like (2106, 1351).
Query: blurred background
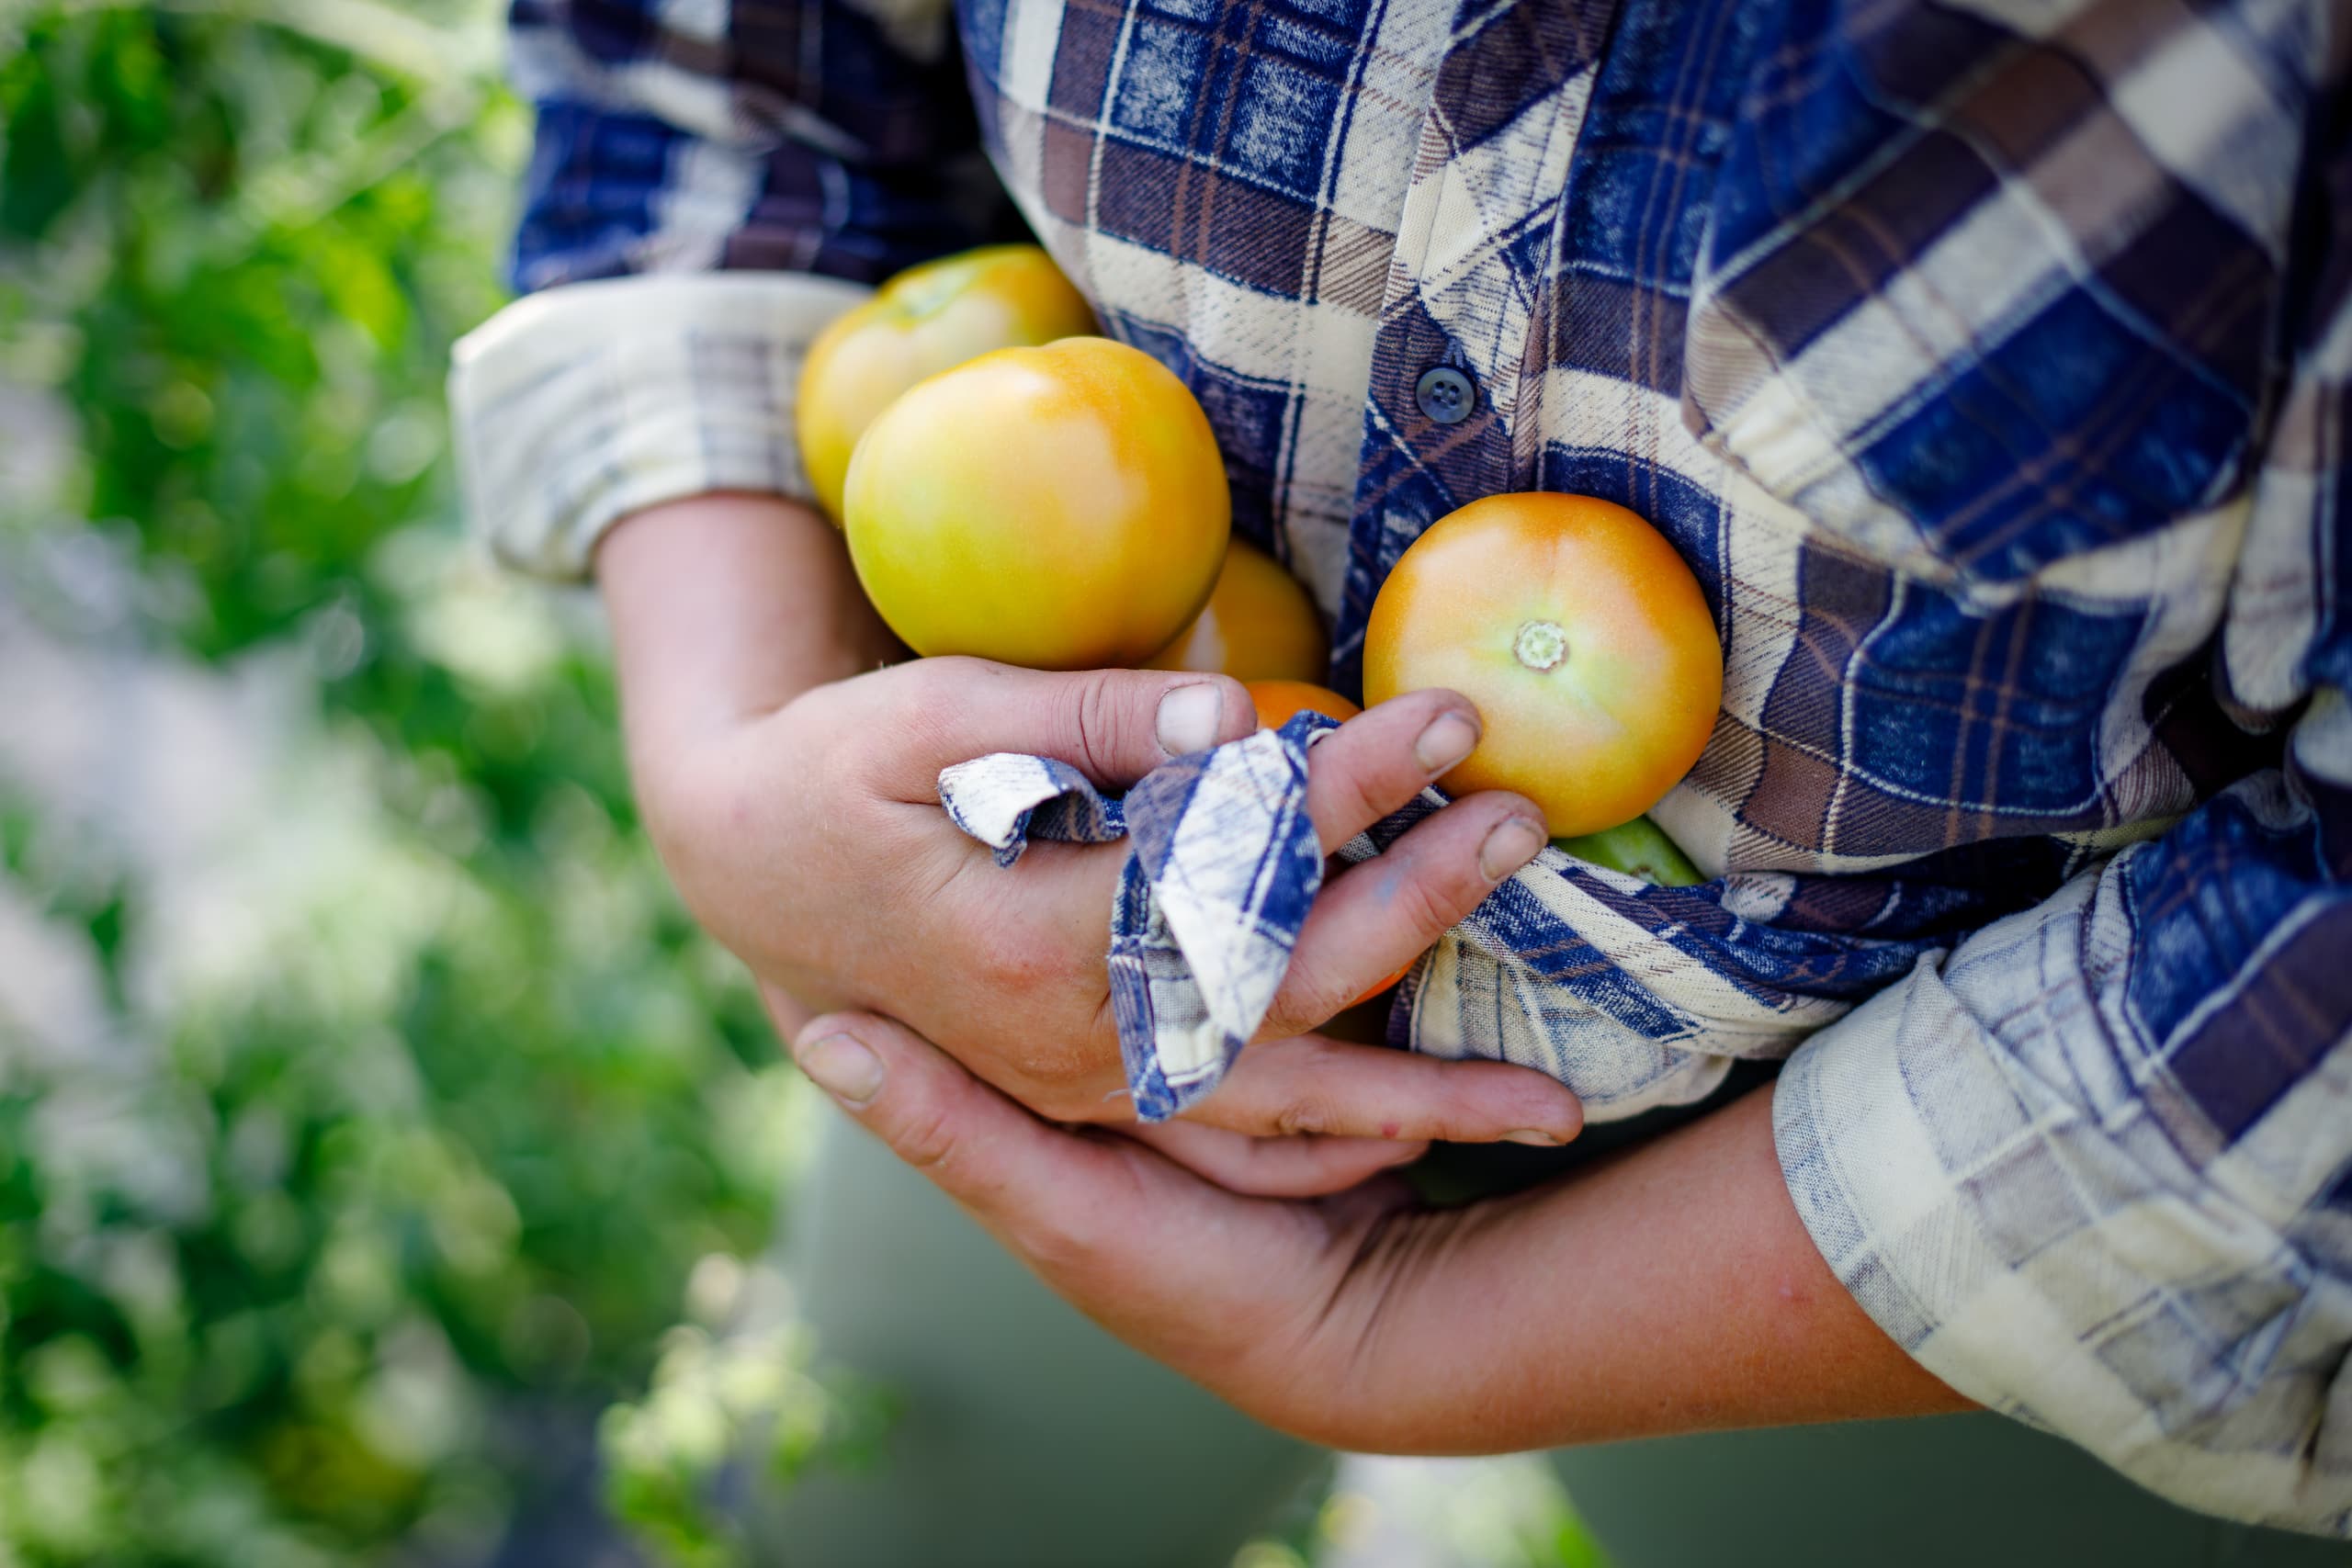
(387, 1168)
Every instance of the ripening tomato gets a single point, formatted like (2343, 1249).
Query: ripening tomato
(1061, 507)
(1578, 632)
(1276, 701)
(926, 320)
(1258, 624)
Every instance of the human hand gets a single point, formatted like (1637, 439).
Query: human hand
(803, 828)
(1669, 1289)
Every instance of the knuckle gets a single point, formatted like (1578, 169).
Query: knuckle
(1077, 1240)
(923, 683)
(1052, 1245)
(1054, 1069)
(1315, 1055)
(1010, 960)
(929, 694)
(1307, 1113)
(1309, 994)
(1048, 1048)
(1097, 717)
(1455, 1124)
(1474, 1106)
(927, 1139)
(1358, 788)
(1431, 900)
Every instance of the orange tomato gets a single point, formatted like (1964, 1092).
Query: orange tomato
(1276, 701)
(1258, 624)
(1578, 632)
(1062, 507)
(926, 320)
(1384, 987)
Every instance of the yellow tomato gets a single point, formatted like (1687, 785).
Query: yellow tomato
(926, 320)
(1580, 635)
(1061, 507)
(1276, 701)
(1258, 624)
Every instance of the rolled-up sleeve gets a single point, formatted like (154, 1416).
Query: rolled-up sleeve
(2093, 1167)
(711, 183)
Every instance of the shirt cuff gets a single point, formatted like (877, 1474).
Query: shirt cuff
(575, 407)
(2062, 1266)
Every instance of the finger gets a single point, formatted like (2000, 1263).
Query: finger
(1102, 1219)
(1373, 919)
(1312, 1085)
(1232, 1290)
(1114, 726)
(1381, 759)
(1011, 1170)
(1275, 1167)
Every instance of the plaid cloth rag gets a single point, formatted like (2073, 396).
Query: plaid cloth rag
(1224, 866)
(1985, 360)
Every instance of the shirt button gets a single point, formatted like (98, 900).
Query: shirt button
(1445, 394)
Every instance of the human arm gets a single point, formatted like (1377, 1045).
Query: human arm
(2093, 1169)
(1669, 1289)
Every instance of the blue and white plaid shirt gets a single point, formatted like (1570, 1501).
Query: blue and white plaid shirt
(1987, 360)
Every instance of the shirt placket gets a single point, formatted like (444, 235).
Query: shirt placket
(1452, 386)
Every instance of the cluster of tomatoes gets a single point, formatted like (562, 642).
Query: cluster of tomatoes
(1014, 488)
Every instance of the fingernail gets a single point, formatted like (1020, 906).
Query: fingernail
(1188, 716)
(1510, 844)
(1448, 739)
(1529, 1135)
(842, 1067)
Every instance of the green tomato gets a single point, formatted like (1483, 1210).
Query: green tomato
(1639, 848)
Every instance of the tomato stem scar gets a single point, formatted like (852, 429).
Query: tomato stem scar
(1540, 645)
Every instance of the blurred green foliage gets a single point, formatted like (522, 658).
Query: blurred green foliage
(410, 1145)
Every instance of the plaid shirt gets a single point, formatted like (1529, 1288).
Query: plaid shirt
(1987, 362)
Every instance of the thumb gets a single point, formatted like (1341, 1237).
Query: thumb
(1114, 726)
(1010, 1169)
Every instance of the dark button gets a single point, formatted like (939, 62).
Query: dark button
(1445, 394)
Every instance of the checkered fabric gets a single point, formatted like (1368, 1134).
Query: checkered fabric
(1987, 360)
(1003, 798)
(1224, 866)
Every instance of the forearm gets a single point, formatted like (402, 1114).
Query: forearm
(723, 609)
(1671, 1290)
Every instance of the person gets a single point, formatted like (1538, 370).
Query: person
(1987, 363)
